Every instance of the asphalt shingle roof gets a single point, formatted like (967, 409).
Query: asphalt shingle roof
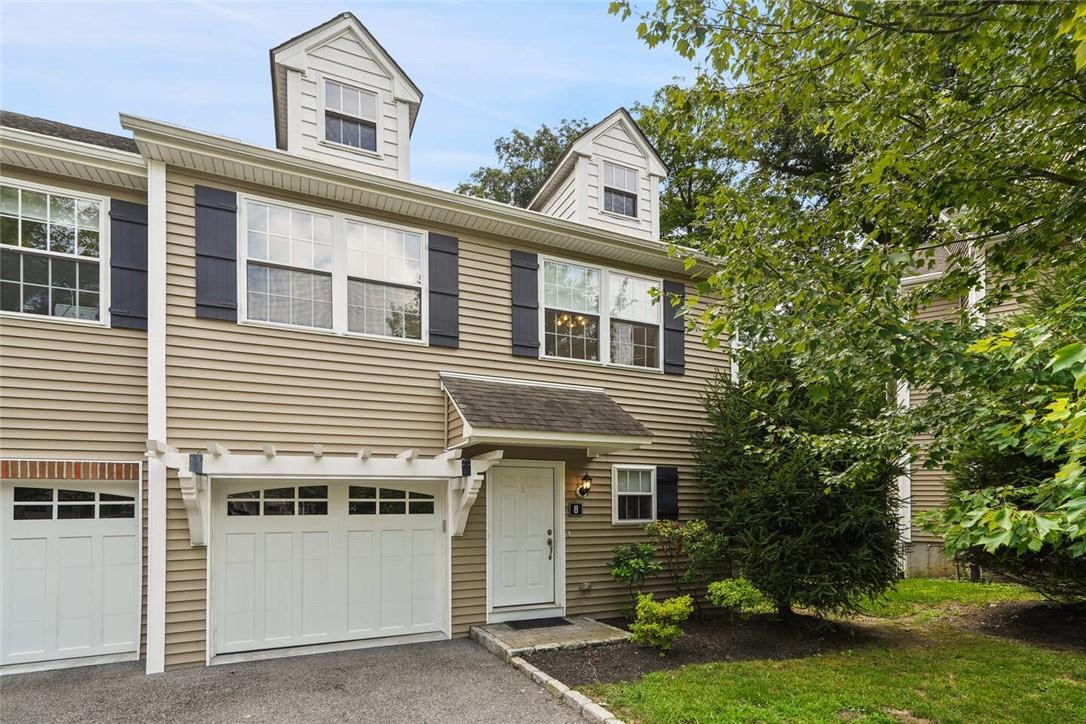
(545, 408)
(44, 126)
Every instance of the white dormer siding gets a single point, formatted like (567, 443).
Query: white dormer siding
(579, 187)
(339, 71)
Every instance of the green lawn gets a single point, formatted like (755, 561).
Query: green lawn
(931, 671)
(929, 597)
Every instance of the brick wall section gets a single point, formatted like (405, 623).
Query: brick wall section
(67, 470)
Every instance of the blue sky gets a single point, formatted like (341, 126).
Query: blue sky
(484, 67)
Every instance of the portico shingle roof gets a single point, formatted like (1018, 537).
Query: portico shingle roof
(498, 404)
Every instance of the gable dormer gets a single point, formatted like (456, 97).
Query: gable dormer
(609, 177)
(341, 98)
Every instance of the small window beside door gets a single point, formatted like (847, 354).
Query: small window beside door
(633, 494)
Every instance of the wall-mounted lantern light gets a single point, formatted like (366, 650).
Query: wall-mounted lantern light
(586, 486)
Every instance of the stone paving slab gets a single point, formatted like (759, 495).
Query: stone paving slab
(584, 632)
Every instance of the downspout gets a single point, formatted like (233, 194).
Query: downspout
(156, 416)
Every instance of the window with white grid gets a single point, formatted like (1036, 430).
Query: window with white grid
(51, 253)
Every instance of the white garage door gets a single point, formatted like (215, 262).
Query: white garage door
(315, 563)
(70, 571)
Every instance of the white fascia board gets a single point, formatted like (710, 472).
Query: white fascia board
(85, 154)
(610, 443)
(167, 142)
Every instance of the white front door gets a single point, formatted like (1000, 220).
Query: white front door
(69, 580)
(317, 562)
(523, 535)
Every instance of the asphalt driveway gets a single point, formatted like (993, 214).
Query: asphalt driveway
(445, 681)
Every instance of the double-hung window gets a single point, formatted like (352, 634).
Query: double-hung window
(619, 190)
(633, 493)
(328, 271)
(289, 267)
(635, 321)
(350, 116)
(384, 280)
(571, 314)
(51, 253)
(598, 315)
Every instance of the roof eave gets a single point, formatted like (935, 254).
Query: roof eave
(157, 140)
(127, 169)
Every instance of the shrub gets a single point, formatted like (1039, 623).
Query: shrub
(632, 564)
(769, 458)
(691, 553)
(738, 596)
(658, 623)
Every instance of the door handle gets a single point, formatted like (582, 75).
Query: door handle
(550, 549)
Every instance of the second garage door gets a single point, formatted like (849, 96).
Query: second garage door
(313, 563)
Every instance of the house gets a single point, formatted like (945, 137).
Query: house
(261, 402)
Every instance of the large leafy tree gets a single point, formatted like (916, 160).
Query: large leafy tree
(677, 128)
(871, 142)
(682, 133)
(524, 162)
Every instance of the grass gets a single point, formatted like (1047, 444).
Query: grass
(933, 672)
(950, 677)
(930, 597)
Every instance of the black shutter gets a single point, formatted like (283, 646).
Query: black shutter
(525, 268)
(674, 330)
(444, 271)
(216, 254)
(667, 493)
(127, 265)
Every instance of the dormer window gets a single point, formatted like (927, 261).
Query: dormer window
(619, 190)
(350, 116)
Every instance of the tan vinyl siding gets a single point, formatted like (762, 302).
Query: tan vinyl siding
(454, 425)
(186, 589)
(71, 390)
(929, 485)
(246, 385)
(469, 570)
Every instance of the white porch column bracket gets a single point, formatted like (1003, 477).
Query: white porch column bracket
(408, 454)
(216, 449)
(318, 450)
(466, 488)
(269, 451)
(193, 487)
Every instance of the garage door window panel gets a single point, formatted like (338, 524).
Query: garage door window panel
(303, 500)
(65, 504)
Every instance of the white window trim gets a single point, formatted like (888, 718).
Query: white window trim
(636, 218)
(338, 272)
(614, 494)
(103, 255)
(379, 100)
(604, 315)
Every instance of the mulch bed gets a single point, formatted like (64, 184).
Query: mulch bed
(765, 637)
(706, 641)
(1046, 624)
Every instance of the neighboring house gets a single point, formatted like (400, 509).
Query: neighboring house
(268, 401)
(924, 489)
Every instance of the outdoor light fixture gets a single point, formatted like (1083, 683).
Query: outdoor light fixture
(586, 486)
